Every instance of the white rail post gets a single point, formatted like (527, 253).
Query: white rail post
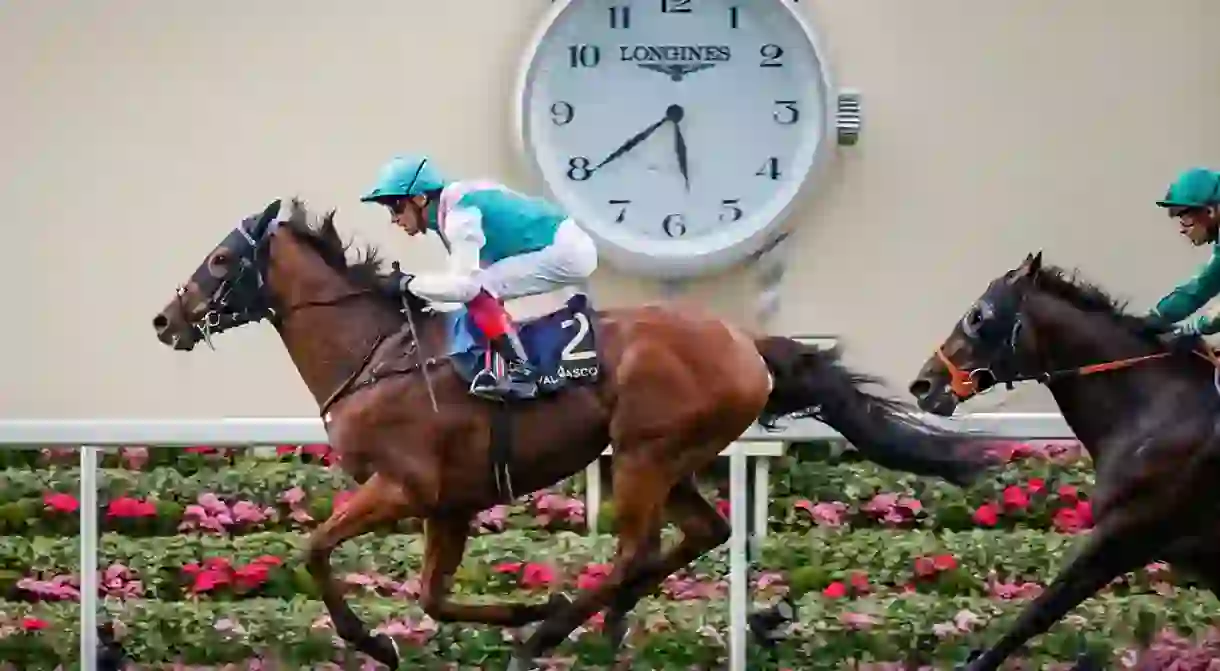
(738, 573)
(88, 557)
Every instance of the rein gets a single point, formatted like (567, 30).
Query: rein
(965, 383)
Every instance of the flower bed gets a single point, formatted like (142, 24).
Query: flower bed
(671, 636)
(201, 564)
(247, 493)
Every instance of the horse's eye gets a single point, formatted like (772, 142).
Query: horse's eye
(221, 259)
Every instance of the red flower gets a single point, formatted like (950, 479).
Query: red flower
(592, 576)
(1015, 497)
(507, 567)
(208, 580)
(1071, 520)
(924, 567)
(859, 582)
(835, 590)
(722, 507)
(1069, 494)
(987, 515)
(60, 503)
(536, 576)
(201, 449)
(127, 507)
(281, 450)
(1035, 485)
(33, 624)
(251, 576)
(944, 562)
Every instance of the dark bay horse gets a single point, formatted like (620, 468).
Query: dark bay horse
(1147, 414)
(668, 389)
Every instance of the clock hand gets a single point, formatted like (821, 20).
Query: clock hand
(629, 144)
(674, 114)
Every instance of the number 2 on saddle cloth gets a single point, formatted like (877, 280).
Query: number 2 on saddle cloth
(561, 345)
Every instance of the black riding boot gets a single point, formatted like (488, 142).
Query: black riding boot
(520, 379)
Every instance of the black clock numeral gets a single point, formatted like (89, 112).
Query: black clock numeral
(622, 214)
(620, 17)
(770, 169)
(578, 169)
(675, 6)
(771, 53)
(673, 225)
(788, 113)
(584, 55)
(562, 113)
(734, 17)
(731, 211)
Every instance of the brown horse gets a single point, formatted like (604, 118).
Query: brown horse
(669, 390)
(1149, 417)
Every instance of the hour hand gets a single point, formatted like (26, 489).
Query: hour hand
(629, 144)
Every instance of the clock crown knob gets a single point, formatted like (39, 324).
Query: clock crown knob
(848, 117)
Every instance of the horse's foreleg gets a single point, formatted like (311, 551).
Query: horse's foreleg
(703, 529)
(637, 503)
(1111, 550)
(377, 501)
(445, 543)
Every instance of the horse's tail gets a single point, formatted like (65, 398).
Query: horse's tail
(811, 382)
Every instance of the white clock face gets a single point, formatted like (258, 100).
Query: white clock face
(734, 94)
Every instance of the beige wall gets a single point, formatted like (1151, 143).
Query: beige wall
(137, 133)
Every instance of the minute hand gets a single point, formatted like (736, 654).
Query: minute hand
(629, 144)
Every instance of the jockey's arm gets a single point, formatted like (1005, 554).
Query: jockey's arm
(458, 284)
(1188, 297)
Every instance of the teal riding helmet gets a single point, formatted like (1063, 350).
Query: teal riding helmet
(1196, 187)
(406, 176)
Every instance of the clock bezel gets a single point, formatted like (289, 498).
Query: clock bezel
(706, 254)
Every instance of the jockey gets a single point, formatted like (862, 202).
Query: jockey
(1194, 200)
(502, 245)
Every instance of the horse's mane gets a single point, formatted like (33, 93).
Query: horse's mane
(365, 270)
(1071, 288)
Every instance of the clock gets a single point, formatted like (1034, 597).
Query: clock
(678, 133)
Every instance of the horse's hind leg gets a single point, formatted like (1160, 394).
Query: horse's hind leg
(703, 529)
(445, 543)
(377, 501)
(641, 486)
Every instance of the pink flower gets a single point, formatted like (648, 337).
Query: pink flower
(552, 508)
(494, 519)
(134, 458)
(824, 513)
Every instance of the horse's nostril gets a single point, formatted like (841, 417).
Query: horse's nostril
(160, 322)
(920, 388)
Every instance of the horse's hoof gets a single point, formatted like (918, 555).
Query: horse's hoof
(385, 650)
(765, 625)
(617, 631)
(519, 663)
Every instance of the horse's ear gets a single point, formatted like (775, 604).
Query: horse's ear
(328, 231)
(1031, 265)
(264, 220)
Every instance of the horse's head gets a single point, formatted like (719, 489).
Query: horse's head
(226, 290)
(984, 347)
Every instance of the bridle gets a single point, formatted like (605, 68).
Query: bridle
(966, 384)
(240, 298)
